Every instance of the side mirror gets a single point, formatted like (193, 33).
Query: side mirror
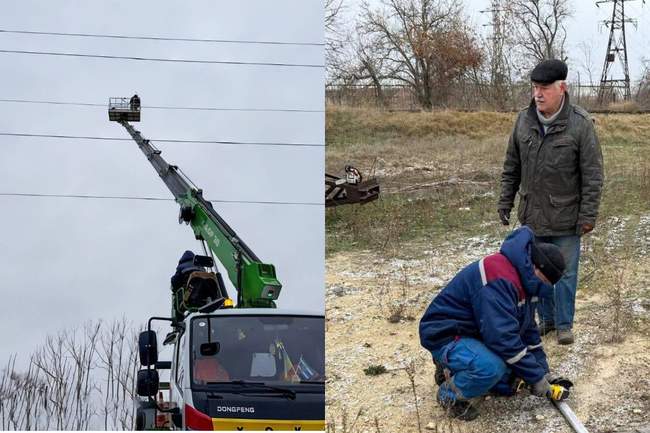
(147, 383)
(148, 348)
(210, 349)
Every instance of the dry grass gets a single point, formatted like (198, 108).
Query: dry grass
(439, 172)
(348, 122)
(624, 107)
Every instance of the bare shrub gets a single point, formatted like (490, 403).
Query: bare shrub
(346, 425)
(620, 314)
(411, 371)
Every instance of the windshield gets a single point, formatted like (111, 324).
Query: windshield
(269, 349)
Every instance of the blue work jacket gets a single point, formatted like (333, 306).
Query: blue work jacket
(493, 300)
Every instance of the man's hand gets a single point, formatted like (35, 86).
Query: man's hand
(586, 228)
(555, 379)
(541, 388)
(504, 216)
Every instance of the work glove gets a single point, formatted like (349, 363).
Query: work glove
(558, 393)
(541, 388)
(555, 379)
(504, 216)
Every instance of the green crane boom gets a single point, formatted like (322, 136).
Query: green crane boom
(256, 283)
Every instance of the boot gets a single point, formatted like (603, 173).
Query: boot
(565, 336)
(454, 407)
(462, 410)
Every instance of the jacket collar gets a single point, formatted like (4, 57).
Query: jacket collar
(558, 125)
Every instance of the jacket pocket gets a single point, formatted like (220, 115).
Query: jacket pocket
(562, 214)
(563, 153)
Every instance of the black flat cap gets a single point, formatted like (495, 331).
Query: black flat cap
(549, 71)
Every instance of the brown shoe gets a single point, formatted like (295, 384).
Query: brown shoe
(565, 336)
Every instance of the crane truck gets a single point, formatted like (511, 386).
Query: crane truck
(236, 365)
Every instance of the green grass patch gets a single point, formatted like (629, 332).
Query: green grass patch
(394, 219)
(375, 370)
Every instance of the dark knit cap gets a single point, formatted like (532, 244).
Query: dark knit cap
(549, 71)
(549, 259)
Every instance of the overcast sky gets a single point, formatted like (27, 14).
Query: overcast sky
(585, 27)
(66, 261)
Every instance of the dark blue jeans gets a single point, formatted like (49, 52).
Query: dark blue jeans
(475, 370)
(559, 309)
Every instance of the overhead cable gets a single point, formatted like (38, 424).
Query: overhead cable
(121, 197)
(89, 104)
(154, 59)
(160, 140)
(163, 38)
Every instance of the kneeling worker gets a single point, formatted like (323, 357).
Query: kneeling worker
(481, 329)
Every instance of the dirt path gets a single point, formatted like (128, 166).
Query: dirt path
(612, 392)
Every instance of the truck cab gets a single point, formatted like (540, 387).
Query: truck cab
(247, 369)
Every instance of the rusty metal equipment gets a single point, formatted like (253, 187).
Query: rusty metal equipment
(349, 189)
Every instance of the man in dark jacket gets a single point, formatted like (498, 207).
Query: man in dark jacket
(555, 163)
(481, 327)
(135, 102)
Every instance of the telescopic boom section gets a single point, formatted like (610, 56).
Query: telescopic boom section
(256, 283)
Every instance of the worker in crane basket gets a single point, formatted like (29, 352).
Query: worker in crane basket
(481, 329)
(134, 102)
(191, 285)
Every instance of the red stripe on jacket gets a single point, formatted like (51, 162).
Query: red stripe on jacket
(498, 266)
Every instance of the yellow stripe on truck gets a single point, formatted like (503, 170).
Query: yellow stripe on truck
(242, 424)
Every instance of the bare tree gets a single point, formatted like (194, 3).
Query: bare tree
(332, 13)
(643, 90)
(538, 28)
(421, 43)
(335, 38)
(118, 358)
(62, 387)
(586, 62)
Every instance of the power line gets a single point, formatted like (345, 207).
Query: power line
(162, 38)
(161, 140)
(155, 59)
(88, 104)
(122, 197)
